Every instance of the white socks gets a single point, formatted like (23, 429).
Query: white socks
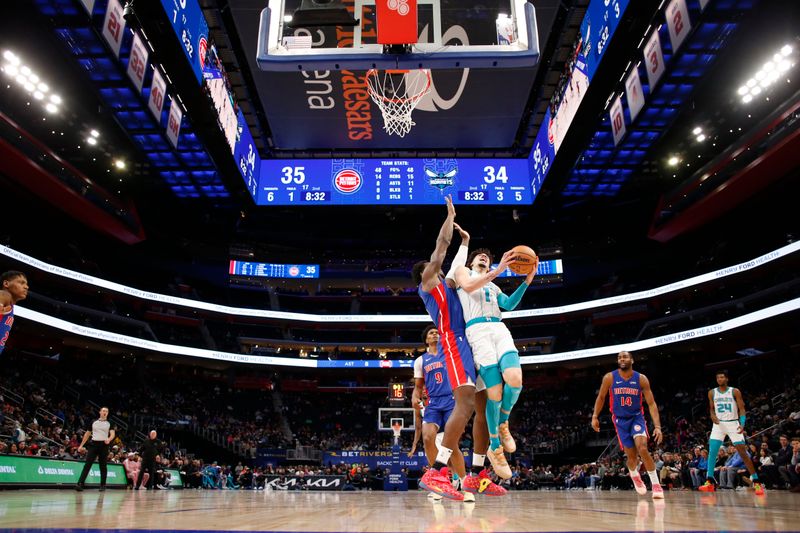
(654, 478)
(444, 455)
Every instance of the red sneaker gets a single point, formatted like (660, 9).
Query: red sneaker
(482, 484)
(438, 482)
(708, 486)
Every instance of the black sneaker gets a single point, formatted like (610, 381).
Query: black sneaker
(102, 488)
(79, 487)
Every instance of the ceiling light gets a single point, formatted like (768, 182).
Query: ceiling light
(91, 140)
(10, 69)
(94, 133)
(43, 87)
(287, 18)
(747, 98)
(672, 161)
(784, 65)
(755, 91)
(55, 99)
(769, 65)
(743, 90)
(51, 108)
(33, 78)
(14, 60)
(751, 82)
(786, 50)
(38, 95)
(29, 87)
(697, 130)
(119, 163)
(22, 80)
(701, 138)
(25, 70)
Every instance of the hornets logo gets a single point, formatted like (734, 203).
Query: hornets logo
(441, 172)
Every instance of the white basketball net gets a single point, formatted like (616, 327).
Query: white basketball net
(396, 429)
(397, 93)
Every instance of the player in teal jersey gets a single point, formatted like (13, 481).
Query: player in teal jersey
(728, 415)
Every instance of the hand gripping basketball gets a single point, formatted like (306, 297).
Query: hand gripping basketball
(524, 261)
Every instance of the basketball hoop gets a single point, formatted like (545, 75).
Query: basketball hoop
(397, 93)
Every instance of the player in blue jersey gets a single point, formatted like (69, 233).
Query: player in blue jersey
(443, 306)
(430, 376)
(625, 388)
(728, 415)
(14, 288)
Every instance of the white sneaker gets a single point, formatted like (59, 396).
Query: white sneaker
(498, 460)
(469, 497)
(638, 484)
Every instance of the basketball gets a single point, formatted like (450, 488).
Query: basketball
(524, 262)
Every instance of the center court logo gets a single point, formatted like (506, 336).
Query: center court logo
(347, 181)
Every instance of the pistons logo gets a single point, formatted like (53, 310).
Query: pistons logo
(202, 47)
(347, 181)
(637, 427)
(294, 271)
(386, 364)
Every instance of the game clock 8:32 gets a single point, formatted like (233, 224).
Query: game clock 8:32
(393, 181)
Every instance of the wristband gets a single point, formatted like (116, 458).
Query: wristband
(742, 420)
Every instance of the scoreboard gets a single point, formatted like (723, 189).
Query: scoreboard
(272, 270)
(393, 181)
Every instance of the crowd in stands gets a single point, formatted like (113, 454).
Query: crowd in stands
(42, 417)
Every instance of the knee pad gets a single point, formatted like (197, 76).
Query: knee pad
(491, 375)
(509, 360)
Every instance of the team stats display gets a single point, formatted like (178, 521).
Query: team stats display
(272, 270)
(394, 181)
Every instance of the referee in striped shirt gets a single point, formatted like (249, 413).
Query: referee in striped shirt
(101, 434)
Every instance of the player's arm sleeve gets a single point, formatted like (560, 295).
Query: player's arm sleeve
(458, 261)
(418, 368)
(509, 303)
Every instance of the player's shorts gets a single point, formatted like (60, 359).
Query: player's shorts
(438, 411)
(630, 427)
(458, 360)
(729, 428)
(489, 342)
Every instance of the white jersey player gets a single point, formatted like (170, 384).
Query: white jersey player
(496, 356)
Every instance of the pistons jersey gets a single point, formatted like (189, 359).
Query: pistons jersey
(6, 321)
(625, 395)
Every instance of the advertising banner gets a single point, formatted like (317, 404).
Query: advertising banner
(329, 483)
(23, 470)
(381, 458)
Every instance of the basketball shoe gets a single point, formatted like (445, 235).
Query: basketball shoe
(468, 497)
(658, 492)
(483, 484)
(759, 488)
(505, 437)
(499, 463)
(708, 486)
(638, 484)
(438, 482)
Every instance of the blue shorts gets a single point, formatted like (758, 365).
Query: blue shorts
(438, 411)
(458, 359)
(630, 427)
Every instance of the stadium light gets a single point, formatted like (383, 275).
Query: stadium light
(768, 74)
(673, 161)
(28, 80)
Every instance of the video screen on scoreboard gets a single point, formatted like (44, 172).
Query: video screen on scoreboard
(550, 267)
(394, 181)
(272, 270)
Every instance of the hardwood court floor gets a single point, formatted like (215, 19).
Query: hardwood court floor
(378, 511)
